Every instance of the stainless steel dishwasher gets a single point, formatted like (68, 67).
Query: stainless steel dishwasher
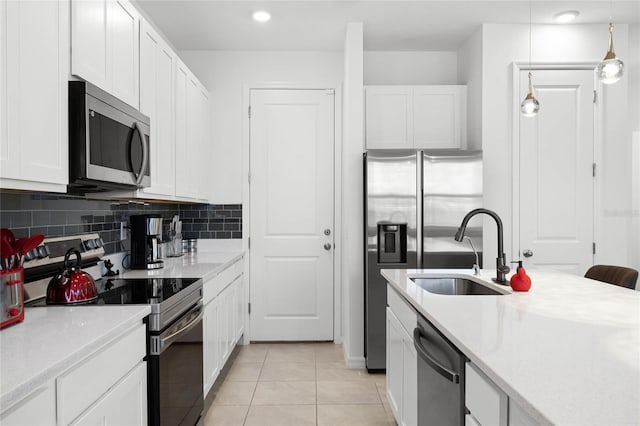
(440, 378)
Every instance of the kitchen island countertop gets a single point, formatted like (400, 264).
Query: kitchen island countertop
(567, 351)
(52, 339)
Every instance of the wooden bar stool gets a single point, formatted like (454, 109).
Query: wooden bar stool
(617, 275)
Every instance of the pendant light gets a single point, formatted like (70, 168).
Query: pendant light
(530, 105)
(611, 68)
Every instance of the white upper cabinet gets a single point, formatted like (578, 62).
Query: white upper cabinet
(420, 117)
(157, 100)
(192, 106)
(105, 46)
(34, 58)
(440, 117)
(389, 117)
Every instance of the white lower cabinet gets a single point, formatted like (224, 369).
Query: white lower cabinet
(124, 404)
(519, 417)
(486, 402)
(108, 387)
(394, 364)
(39, 408)
(402, 361)
(223, 320)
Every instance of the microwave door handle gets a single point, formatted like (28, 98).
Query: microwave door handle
(145, 154)
(429, 359)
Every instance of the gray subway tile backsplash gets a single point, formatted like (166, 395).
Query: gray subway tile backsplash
(60, 215)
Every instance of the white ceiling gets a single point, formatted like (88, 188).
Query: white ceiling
(388, 25)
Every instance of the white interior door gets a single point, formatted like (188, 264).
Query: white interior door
(556, 172)
(291, 217)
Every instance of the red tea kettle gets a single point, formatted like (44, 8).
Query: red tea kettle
(71, 285)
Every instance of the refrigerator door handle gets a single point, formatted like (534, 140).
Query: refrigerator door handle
(419, 210)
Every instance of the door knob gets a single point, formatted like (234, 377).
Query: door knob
(527, 253)
(327, 246)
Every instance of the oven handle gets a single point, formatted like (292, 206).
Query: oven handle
(439, 368)
(165, 342)
(145, 154)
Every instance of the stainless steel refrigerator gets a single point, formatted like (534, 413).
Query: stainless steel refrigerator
(414, 203)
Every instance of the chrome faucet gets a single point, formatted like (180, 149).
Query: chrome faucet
(501, 267)
(476, 266)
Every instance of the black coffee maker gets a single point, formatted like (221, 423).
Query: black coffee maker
(146, 233)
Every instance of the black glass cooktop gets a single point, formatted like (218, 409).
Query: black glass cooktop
(135, 291)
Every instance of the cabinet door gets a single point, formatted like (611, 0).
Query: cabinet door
(187, 133)
(439, 117)
(223, 317)
(39, 408)
(239, 307)
(122, 51)
(157, 85)
(35, 53)
(123, 404)
(203, 159)
(389, 117)
(211, 344)
(394, 364)
(181, 148)
(409, 382)
(105, 46)
(89, 33)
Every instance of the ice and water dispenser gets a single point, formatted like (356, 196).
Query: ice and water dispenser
(392, 242)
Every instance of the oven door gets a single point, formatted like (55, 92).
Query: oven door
(118, 146)
(175, 371)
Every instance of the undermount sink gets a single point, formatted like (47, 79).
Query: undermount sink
(455, 286)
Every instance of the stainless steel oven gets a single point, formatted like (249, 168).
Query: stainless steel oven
(109, 143)
(175, 387)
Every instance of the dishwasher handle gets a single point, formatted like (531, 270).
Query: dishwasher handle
(429, 359)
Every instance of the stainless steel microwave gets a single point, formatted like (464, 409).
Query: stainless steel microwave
(109, 142)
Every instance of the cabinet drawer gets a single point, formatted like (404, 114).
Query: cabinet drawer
(486, 402)
(405, 313)
(38, 408)
(81, 386)
(215, 285)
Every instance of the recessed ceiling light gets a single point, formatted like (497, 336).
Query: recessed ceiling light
(261, 16)
(566, 16)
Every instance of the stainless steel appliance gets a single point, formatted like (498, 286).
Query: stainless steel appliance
(440, 378)
(146, 234)
(414, 202)
(109, 143)
(174, 357)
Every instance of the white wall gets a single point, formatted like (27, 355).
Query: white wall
(352, 207)
(225, 74)
(410, 68)
(632, 63)
(470, 73)
(504, 44)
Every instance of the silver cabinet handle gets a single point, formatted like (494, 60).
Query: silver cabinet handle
(327, 246)
(145, 154)
(527, 253)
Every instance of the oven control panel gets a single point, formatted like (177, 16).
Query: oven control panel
(52, 250)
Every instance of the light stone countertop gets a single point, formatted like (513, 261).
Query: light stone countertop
(52, 339)
(567, 351)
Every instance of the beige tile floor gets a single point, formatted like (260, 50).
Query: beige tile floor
(298, 384)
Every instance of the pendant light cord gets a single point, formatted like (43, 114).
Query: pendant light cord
(529, 37)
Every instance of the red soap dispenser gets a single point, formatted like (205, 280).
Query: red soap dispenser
(520, 281)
